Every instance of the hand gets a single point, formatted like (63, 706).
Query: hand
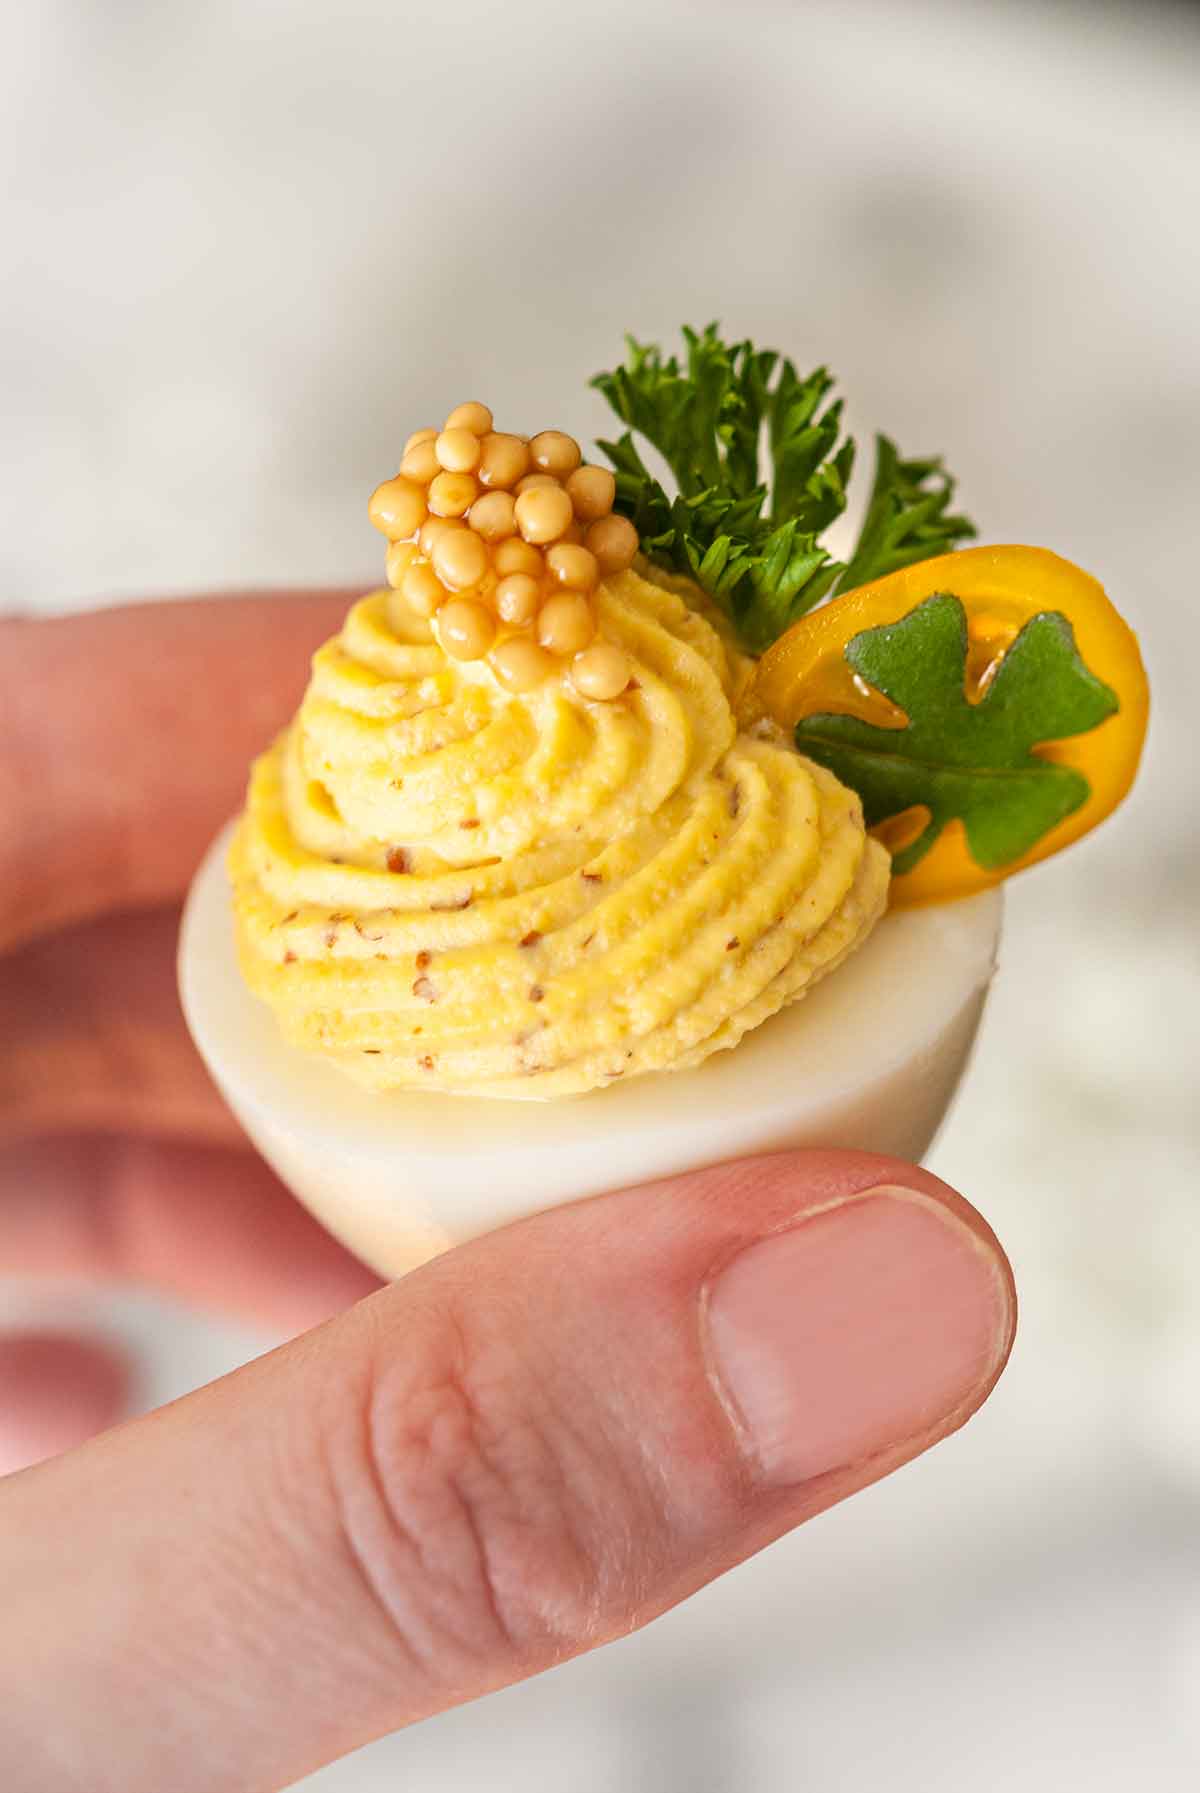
(124, 745)
(532, 1445)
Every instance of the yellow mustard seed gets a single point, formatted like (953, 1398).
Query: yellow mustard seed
(503, 460)
(518, 556)
(553, 452)
(566, 624)
(614, 542)
(397, 507)
(520, 664)
(493, 516)
(420, 463)
(543, 513)
(400, 556)
(601, 672)
(452, 494)
(434, 528)
(591, 491)
(465, 629)
(457, 451)
(422, 590)
(460, 559)
(517, 599)
(472, 416)
(569, 564)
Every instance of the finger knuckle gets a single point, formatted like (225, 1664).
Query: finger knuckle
(492, 1528)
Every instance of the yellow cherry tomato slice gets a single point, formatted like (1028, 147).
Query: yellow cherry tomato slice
(805, 674)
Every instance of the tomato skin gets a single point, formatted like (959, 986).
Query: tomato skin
(1001, 588)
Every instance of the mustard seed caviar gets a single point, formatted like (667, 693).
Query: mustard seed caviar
(499, 542)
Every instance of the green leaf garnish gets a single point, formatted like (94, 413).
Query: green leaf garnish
(973, 761)
(748, 533)
(907, 519)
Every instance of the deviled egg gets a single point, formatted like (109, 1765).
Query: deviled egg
(557, 881)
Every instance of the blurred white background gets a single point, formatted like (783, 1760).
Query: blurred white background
(249, 247)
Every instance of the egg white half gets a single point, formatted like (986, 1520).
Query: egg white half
(869, 1060)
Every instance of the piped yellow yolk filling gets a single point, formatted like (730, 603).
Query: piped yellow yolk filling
(440, 884)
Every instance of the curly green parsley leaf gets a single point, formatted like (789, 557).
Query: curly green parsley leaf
(749, 534)
(957, 759)
(908, 518)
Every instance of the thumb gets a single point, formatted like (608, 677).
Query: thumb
(530, 1446)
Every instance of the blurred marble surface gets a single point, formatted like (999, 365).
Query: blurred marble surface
(248, 253)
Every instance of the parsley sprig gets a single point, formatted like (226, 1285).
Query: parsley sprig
(749, 535)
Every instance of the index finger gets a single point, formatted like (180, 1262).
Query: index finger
(126, 738)
(468, 1478)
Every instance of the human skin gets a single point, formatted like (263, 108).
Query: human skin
(534, 1444)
